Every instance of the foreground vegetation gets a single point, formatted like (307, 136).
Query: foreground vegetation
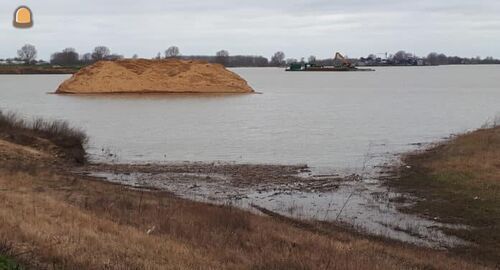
(458, 182)
(67, 141)
(7, 264)
(51, 218)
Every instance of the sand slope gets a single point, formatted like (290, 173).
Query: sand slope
(154, 76)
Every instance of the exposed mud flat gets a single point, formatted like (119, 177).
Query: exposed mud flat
(114, 226)
(357, 200)
(154, 76)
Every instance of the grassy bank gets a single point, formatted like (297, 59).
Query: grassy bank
(39, 133)
(458, 182)
(55, 219)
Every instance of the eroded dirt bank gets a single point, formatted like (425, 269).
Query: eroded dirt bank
(154, 76)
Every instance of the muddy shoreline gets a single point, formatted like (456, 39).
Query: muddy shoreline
(295, 191)
(58, 212)
(456, 182)
(288, 177)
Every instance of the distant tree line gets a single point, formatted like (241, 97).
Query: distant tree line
(442, 59)
(232, 60)
(70, 57)
(403, 58)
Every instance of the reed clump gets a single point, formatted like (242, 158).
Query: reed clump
(28, 132)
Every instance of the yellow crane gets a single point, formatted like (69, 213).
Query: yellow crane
(340, 63)
(341, 58)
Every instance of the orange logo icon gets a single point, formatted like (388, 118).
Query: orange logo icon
(23, 18)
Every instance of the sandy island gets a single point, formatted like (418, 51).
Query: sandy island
(154, 76)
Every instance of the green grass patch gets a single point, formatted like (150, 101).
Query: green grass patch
(459, 182)
(8, 264)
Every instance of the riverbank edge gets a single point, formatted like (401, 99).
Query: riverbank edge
(36, 70)
(54, 217)
(456, 182)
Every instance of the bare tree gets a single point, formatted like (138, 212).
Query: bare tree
(432, 58)
(311, 59)
(222, 57)
(100, 53)
(27, 53)
(172, 52)
(278, 59)
(290, 61)
(135, 56)
(402, 56)
(86, 58)
(443, 59)
(68, 56)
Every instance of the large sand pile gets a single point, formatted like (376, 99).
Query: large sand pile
(154, 76)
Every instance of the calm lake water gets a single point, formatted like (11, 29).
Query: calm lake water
(327, 120)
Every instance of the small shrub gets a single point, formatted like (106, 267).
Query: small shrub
(11, 120)
(5, 252)
(493, 123)
(70, 140)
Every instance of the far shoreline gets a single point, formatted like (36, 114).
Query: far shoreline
(69, 70)
(37, 70)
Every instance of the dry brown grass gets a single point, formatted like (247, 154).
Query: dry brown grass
(68, 140)
(56, 220)
(460, 181)
(51, 218)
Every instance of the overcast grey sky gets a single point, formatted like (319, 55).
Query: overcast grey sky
(297, 27)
